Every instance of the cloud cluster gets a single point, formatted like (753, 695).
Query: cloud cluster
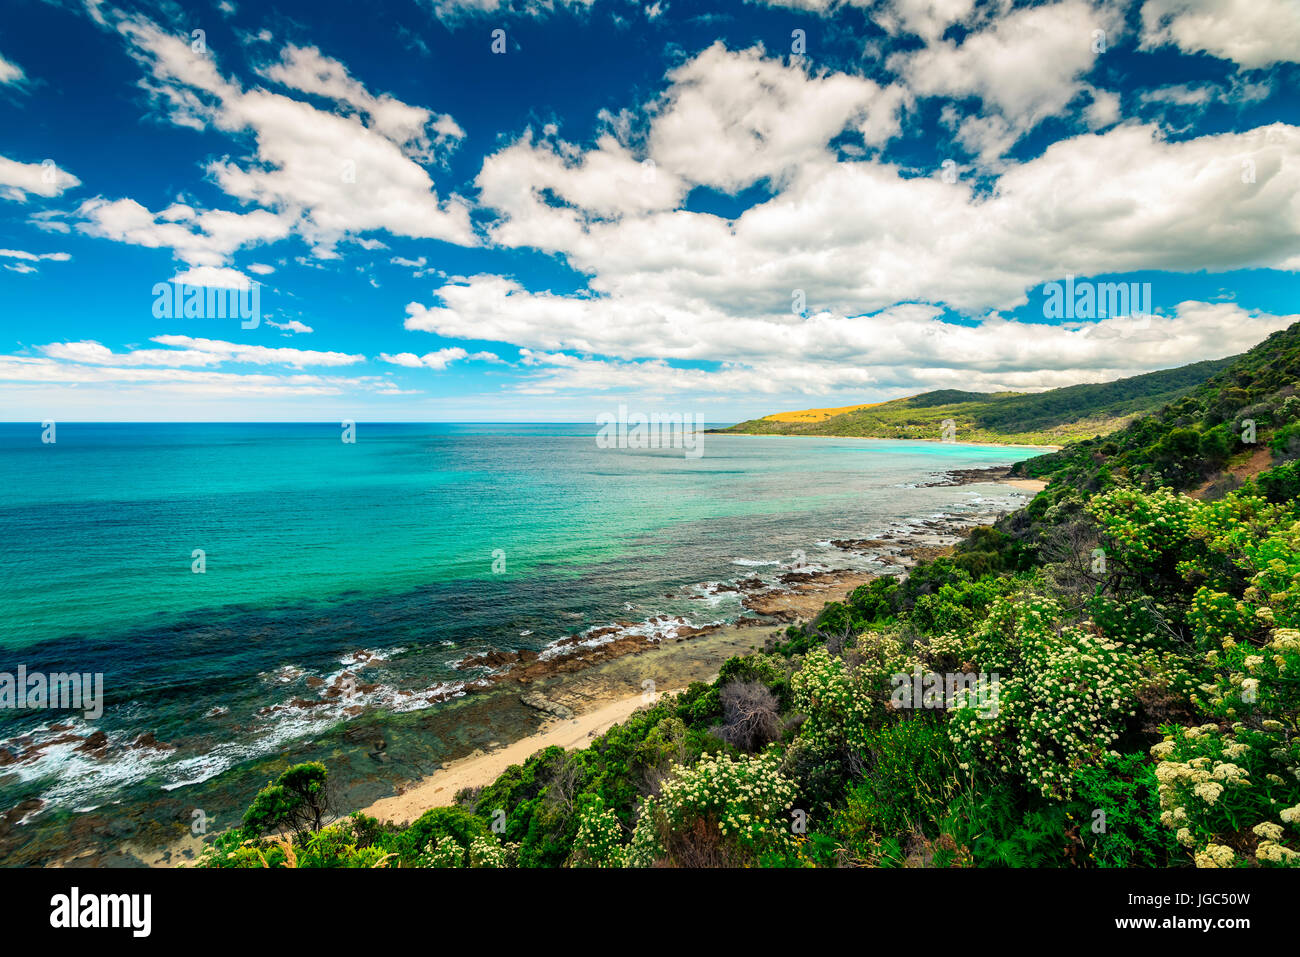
(11, 74)
(25, 262)
(439, 360)
(1254, 34)
(842, 275)
(325, 175)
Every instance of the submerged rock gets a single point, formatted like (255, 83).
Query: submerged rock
(546, 705)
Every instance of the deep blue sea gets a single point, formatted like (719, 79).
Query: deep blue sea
(407, 551)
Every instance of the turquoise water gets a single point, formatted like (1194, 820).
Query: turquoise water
(411, 549)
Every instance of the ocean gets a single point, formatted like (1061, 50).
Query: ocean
(224, 577)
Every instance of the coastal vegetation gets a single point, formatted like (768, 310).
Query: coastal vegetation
(1109, 677)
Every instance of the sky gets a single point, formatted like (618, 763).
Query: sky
(511, 210)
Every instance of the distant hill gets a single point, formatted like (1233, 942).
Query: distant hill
(1043, 418)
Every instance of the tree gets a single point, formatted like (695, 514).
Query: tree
(296, 803)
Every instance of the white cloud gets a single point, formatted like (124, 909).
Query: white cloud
(927, 19)
(326, 176)
(730, 119)
(438, 360)
(1252, 33)
(190, 351)
(862, 240)
(421, 133)
(212, 277)
(908, 351)
(860, 237)
(455, 11)
(34, 257)
(727, 120)
(292, 326)
(1025, 67)
(11, 74)
(24, 260)
(18, 180)
(50, 375)
(196, 238)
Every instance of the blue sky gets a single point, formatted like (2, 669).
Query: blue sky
(478, 209)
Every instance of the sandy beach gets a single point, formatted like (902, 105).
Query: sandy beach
(1027, 485)
(476, 770)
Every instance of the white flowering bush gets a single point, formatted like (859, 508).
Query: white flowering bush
(599, 842)
(486, 851)
(1230, 795)
(718, 810)
(443, 851)
(1146, 533)
(1064, 696)
(646, 848)
(837, 708)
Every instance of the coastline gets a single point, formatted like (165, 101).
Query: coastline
(609, 697)
(515, 704)
(479, 769)
(884, 438)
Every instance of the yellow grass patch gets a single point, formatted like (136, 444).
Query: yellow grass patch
(818, 415)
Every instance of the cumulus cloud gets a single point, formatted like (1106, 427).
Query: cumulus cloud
(729, 119)
(859, 237)
(848, 267)
(198, 238)
(327, 176)
(910, 351)
(1254, 34)
(927, 19)
(1025, 67)
(421, 133)
(18, 180)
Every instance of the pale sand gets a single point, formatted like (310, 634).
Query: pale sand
(1028, 485)
(476, 770)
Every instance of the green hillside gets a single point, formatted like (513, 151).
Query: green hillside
(1042, 418)
(1203, 436)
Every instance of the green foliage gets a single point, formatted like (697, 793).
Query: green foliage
(1001, 827)
(1193, 437)
(1281, 484)
(440, 825)
(910, 776)
(1117, 811)
(296, 802)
